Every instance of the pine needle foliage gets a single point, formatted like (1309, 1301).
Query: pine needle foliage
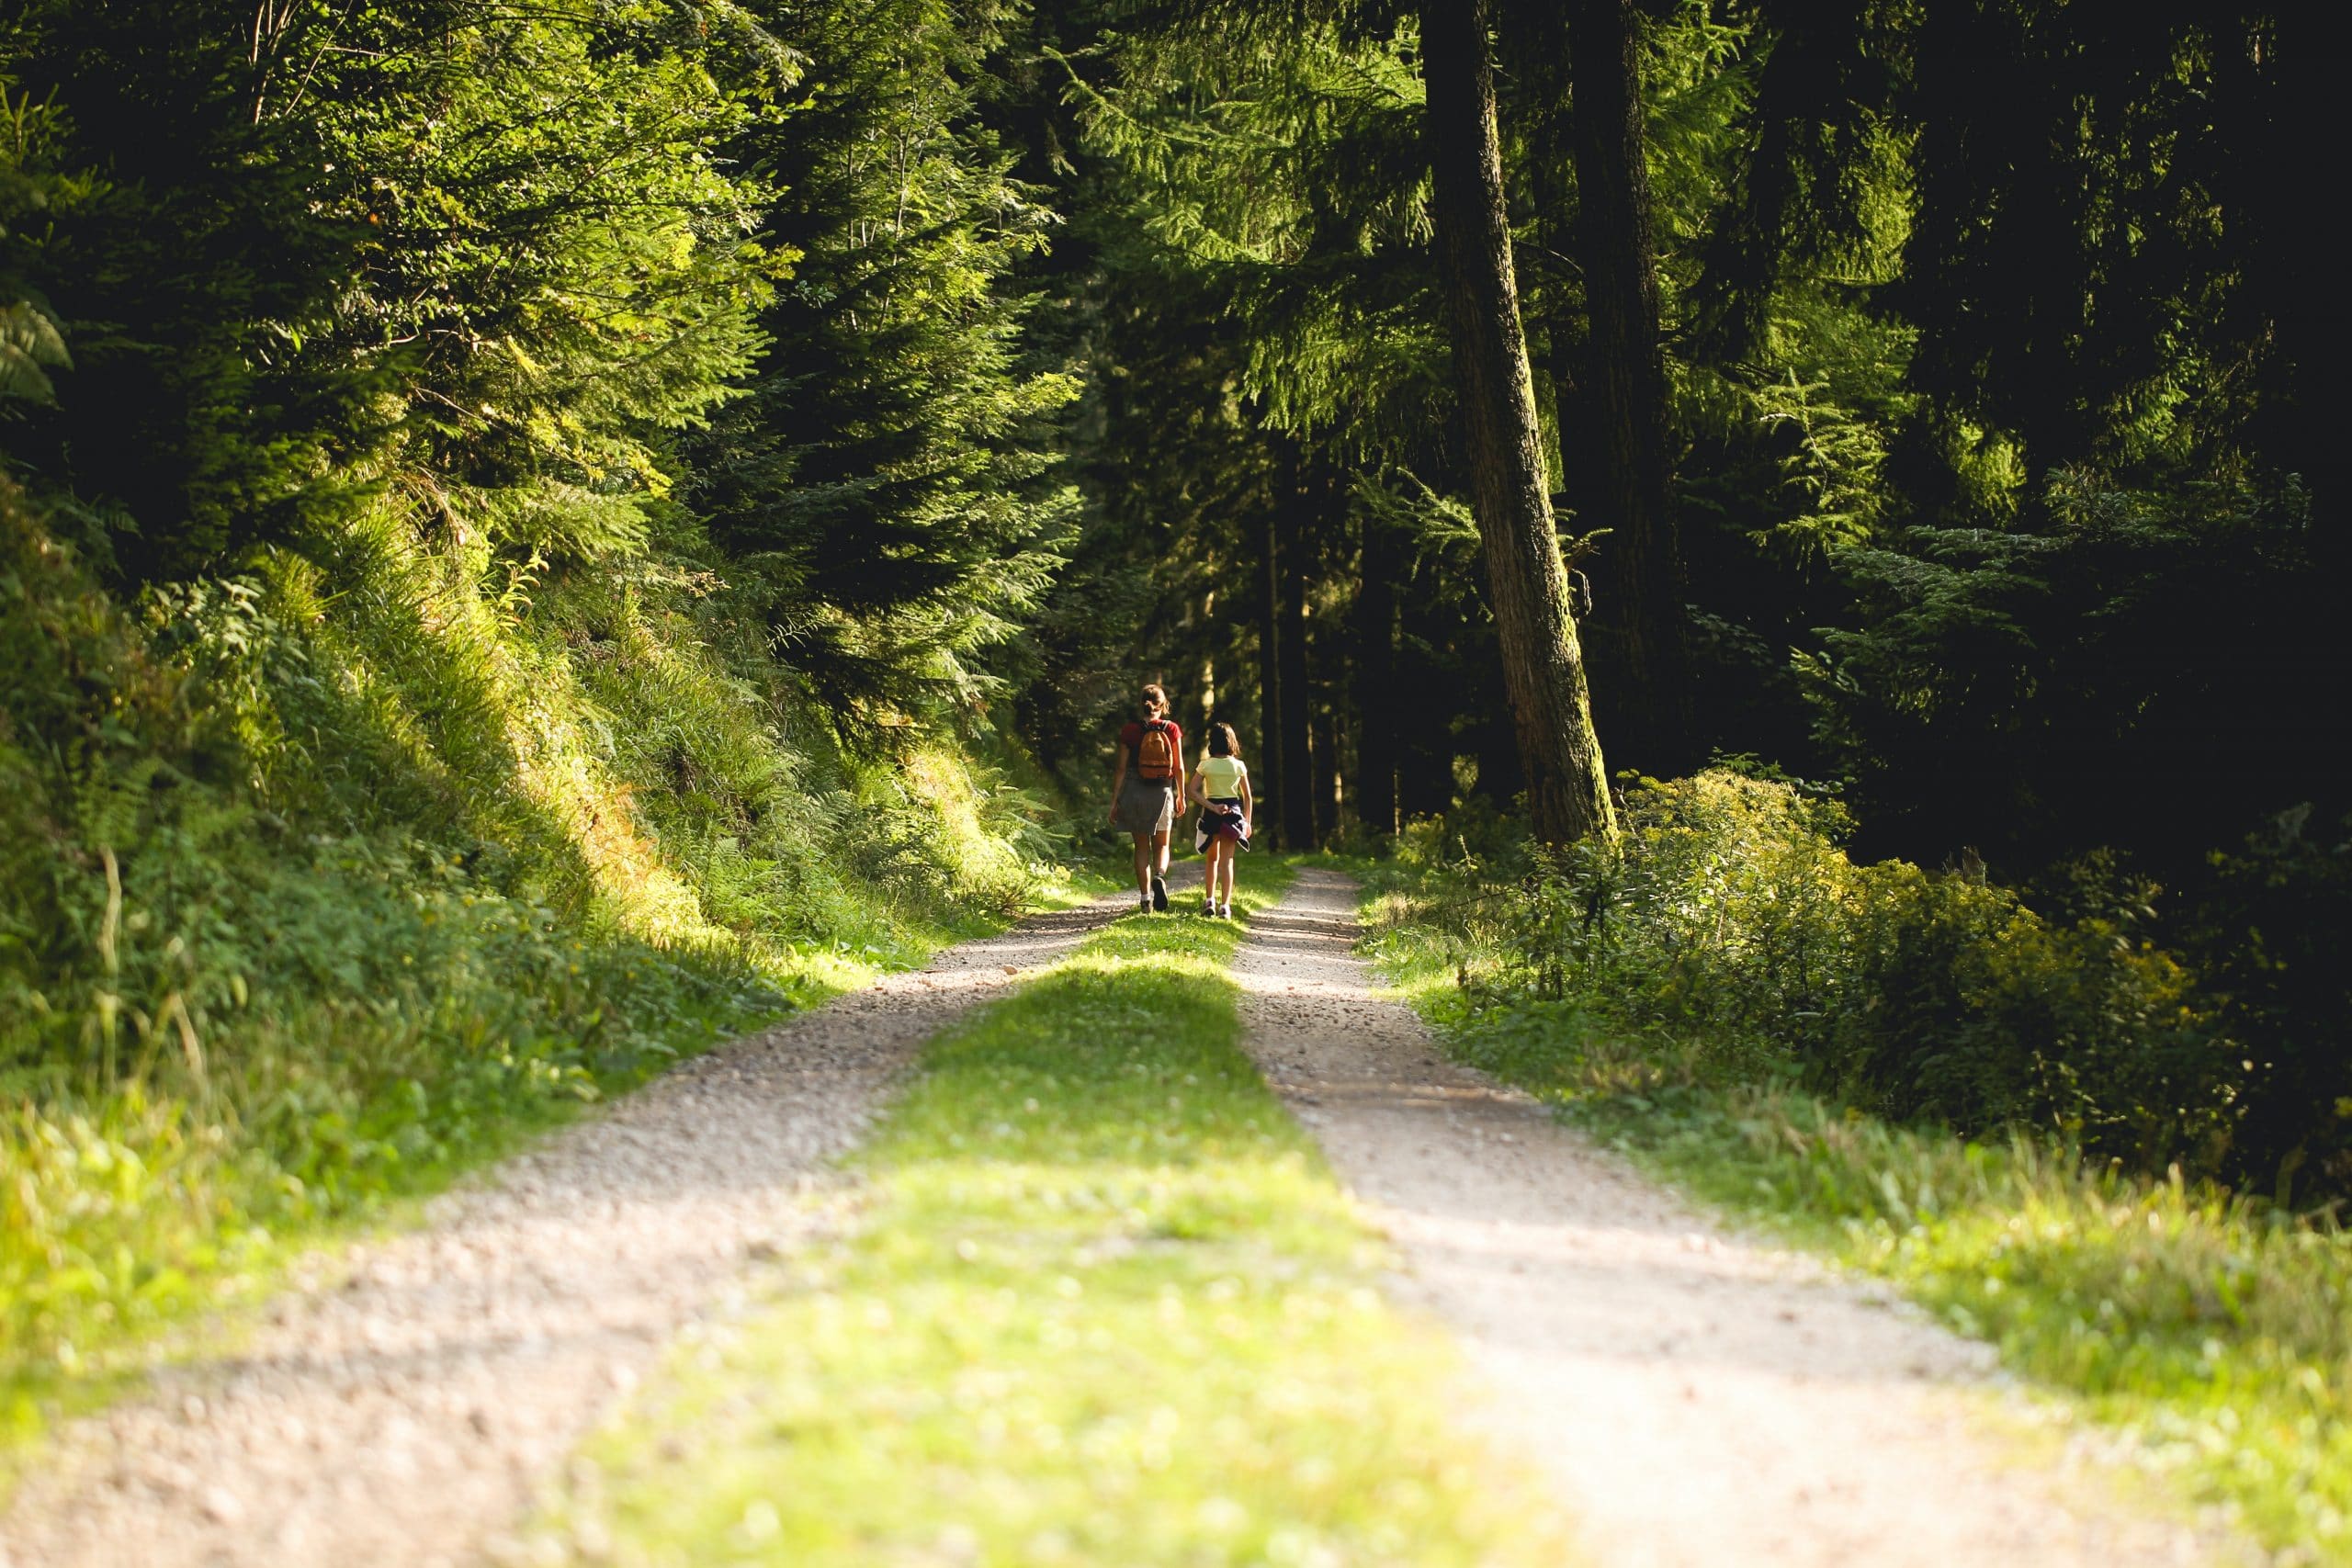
(901, 520)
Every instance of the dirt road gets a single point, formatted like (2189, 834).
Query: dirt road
(406, 1414)
(1698, 1399)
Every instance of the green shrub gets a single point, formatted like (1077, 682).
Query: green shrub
(1725, 997)
(1727, 916)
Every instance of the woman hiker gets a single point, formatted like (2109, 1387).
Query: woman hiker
(1223, 780)
(1147, 792)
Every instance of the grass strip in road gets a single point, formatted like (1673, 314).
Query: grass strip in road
(2217, 1335)
(1105, 1305)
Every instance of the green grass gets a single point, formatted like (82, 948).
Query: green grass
(327, 895)
(132, 1211)
(129, 1214)
(2217, 1335)
(1104, 1306)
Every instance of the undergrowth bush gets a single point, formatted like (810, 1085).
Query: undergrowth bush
(2003, 1111)
(2271, 932)
(309, 896)
(1728, 918)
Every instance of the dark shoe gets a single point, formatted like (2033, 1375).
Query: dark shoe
(1160, 894)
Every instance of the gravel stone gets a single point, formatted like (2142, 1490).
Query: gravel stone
(409, 1411)
(1697, 1398)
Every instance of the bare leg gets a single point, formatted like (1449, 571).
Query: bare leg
(1143, 864)
(1232, 857)
(1161, 842)
(1208, 872)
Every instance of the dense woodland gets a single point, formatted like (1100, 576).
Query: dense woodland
(530, 530)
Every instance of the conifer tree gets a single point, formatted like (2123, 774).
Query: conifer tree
(1636, 626)
(887, 483)
(1543, 659)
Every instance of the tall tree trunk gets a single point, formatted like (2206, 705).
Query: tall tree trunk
(1267, 775)
(1639, 654)
(1425, 699)
(1327, 659)
(1377, 702)
(1325, 736)
(1543, 664)
(1534, 37)
(1297, 778)
(1491, 740)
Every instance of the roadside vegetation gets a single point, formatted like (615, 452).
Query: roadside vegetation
(2016, 1120)
(1101, 1303)
(324, 902)
(454, 656)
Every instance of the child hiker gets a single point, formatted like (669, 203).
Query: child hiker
(1147, 792)
(1226, 805)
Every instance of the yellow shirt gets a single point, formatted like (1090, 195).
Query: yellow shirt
(1221, 777)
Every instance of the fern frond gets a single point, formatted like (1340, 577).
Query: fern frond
(29, 341)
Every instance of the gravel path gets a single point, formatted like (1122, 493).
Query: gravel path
(407, 1412)
(1697, 1398)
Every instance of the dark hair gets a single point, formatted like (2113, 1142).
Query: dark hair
(1156, 693)
(1222, 742)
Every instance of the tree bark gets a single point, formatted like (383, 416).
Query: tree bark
(1325, 735)
(1326, 655)
(1267, 776)
(1297, 778)
(1639, 653)
(1567, 789)
(1204, 704)
(1376, 685)
(1425, 700)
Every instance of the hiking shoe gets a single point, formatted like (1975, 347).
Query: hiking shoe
(1143, 904)
(1226, 913)
(1159, 893)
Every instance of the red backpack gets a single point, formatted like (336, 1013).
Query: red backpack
(1156, 750)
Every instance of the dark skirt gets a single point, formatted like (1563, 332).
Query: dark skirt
(1222, 820)
(1147, 806)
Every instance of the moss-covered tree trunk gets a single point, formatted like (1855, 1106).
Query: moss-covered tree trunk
(1543, 662)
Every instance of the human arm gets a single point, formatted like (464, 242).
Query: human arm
(1118, 782)
(1249, 803)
